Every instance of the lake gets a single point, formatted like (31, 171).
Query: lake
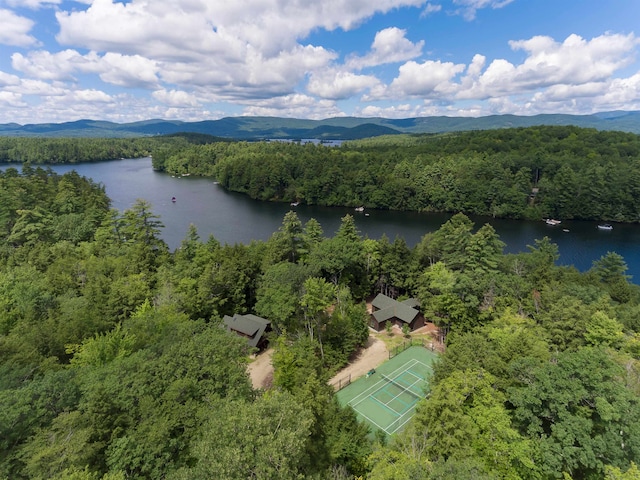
(235, 218)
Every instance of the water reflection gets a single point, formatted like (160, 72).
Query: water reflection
(234, 218)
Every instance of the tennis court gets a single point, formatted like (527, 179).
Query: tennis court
(387, 398)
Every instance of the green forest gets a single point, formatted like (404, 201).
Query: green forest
(72, 150)
(41, 150)
(560, 172)
(521, 173)
(114, 365)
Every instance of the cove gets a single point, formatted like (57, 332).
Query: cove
(235, 218)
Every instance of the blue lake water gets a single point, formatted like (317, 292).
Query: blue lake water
(234, 218)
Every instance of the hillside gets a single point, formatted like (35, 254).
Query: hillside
(339, 128)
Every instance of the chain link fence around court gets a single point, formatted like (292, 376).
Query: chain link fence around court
(411, 342)
(387, 396)
(341, 383)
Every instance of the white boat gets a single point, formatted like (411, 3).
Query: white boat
(605, 226)
(552, 222)
(295, 204)
(359, 209)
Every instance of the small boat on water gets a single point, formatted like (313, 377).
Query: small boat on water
(552, 222)
(173, 199)
(605, 226)
(359, 209)
(295, 204)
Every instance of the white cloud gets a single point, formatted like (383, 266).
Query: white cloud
(11, 99)
(188, 27)
(394, 111)
(44, 65)
(197, 58)
(549, 63)
(73, 104)
(159, 30)
(31, 87)
(389, 46)
(176, 98)
(469, 8)
(294, 106)
(229, 50)
(431, 8)
(429, 79)
(614, 94)
(78, 104)
(33, 4)
(573, 75)
(36, 88)
(14, 29)
(621, 91)
(255, 77)
(338, 85)
(561, 93)
(7, 79)
(132, 71)
(90, 96)
(575, 60)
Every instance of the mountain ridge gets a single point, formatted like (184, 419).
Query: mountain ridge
(335, 128)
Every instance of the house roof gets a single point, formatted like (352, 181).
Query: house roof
(382, 301)
(390, 308)
(248, 325)
(412, 302)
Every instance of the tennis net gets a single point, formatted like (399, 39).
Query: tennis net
(402, 387)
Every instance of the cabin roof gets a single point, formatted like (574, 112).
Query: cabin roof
(388, 308)
(248, 325)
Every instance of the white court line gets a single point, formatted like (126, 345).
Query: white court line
(411, 410)
(393, 409)
(399, 385)
(398, 414)
(373, 422)
(408, 414)
(366, 394)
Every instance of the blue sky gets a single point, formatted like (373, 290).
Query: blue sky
(206, 59)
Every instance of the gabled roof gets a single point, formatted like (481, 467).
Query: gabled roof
(390, 308)
(411, 302)
(248, 325)
(382, 301)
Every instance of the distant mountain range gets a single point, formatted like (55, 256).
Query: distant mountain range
(339, 128)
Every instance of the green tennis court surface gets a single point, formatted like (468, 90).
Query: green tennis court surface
(387, 398)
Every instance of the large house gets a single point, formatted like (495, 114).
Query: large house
(386, 309)
(252, 327)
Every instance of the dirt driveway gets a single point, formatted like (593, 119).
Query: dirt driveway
(372, 355)
(261, 370)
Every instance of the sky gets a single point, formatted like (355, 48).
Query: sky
(197, 60)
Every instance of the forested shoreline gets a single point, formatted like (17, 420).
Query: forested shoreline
(42, 150)
(520, 173)
(114, 365)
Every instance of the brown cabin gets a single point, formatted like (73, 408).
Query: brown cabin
(388, 310)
